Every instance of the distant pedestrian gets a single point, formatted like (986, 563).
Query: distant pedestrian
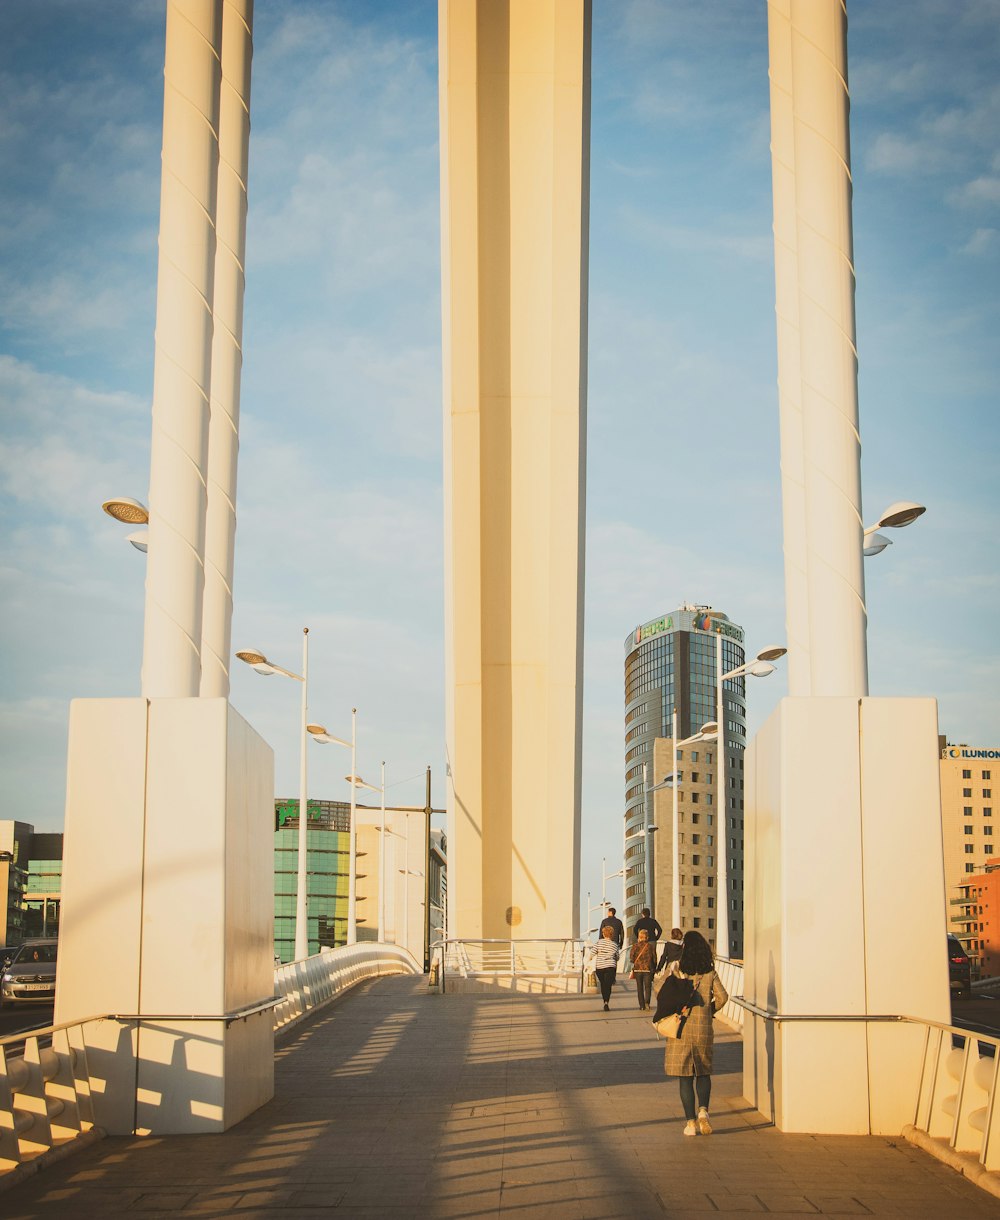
(671, 949)
(689, 1056)
(605, 958)
(612, 921)
(652, 926)
(643, 956)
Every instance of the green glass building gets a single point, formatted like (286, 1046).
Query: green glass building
(326, 869)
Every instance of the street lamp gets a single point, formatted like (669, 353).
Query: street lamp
(707, 732)
(606, 877)
(262, 665)
(356, 782)
(895, 517)
(130, 512)
(320, 735)
(758, 667)
(407, 874)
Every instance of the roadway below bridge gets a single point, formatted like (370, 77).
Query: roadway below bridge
(397, 1102)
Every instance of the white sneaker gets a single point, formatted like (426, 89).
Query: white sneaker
(691, 1127)
(704, 1126)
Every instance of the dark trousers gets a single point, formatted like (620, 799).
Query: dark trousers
(688, 1085)
(644, 987)
(606, 978)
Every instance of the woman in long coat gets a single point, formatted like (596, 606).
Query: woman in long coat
(689, 1057)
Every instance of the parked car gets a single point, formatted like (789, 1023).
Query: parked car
(30, 978)
(959, 968)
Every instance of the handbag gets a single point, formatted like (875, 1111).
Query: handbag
(670, 1027)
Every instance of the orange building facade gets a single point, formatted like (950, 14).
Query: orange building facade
(972, 851)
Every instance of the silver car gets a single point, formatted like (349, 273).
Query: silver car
(31, 975)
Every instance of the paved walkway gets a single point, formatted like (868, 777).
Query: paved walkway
(399, 1103)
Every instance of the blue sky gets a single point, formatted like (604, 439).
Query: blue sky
(340, 478)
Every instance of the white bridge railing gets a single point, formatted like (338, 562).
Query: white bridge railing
(493, 960)
(45, 1082)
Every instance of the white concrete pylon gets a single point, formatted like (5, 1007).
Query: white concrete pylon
(171, 664)
(814, 269)
(515, 99)
(227, 345)
(786, 309)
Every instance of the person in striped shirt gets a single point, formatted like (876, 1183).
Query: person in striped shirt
(605, 959)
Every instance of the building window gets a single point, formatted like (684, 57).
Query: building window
(968, 830)
(987, 775)
(694, 798)
(988, 793)
(696, 921)
(967, 792)
(696, 901)
(969, 849)
(696, 859)
(696, 838)
(695, 817)
(695, 774)
(966, 775)
(970, 868)
(988, 849)
(988, 812)
(967, 811)
(694, 755)
(987, 830)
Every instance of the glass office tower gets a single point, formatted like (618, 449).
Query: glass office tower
(670, 663)
(326, 879)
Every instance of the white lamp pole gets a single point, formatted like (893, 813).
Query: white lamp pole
(707, 732)
(320, 735)
(262, 665)
(352, 871)
(301, 894)
(381, 865)
(675, 841)
(759, 667)
(357, 782)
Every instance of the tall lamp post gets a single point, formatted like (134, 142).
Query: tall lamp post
(707, 732)
(356, 782)
(263, 666)
(322, 737)
(759, 667)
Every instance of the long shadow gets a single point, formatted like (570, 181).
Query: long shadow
(396, 1101)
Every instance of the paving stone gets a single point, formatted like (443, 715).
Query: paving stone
(395, 1103)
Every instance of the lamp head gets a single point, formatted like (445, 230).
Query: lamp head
(760, 669)
(139, 539)
(127, 510)
(903, 512)
(709, 729)
(875, 544)
(252, 656)
(771, 653)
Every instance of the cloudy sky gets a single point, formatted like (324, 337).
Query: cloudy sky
(340, 497)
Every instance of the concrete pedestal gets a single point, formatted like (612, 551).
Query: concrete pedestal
(168, 910)
(844, 911)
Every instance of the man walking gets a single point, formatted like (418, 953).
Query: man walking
(648, 924)
(611, 921)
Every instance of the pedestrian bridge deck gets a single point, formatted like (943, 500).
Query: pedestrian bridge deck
(397, 1102)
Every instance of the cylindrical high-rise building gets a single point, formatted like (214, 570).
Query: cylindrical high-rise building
(670, 664)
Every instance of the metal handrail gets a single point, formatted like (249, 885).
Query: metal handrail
(238, 1014)
(862, 1016)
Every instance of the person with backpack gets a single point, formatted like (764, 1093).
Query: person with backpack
(689, 1055)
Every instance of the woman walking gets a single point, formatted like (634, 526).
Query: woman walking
(643, 954)
(689, 1057)
(605, 958)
